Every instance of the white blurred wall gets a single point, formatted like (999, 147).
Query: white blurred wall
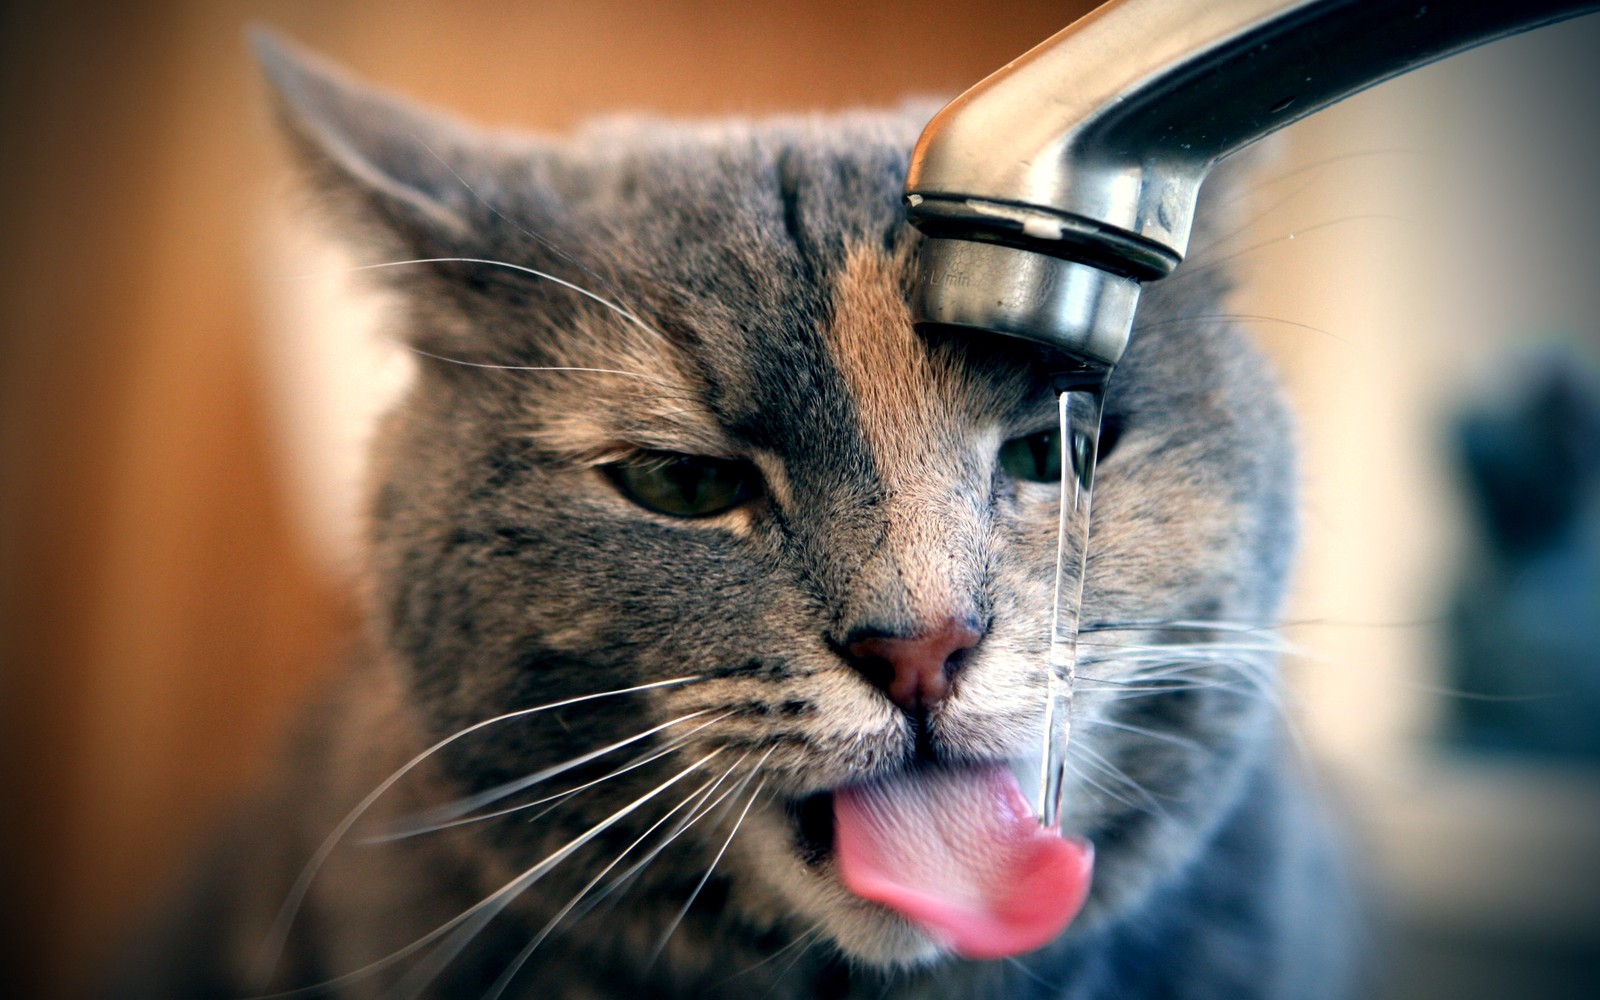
(1432, 229)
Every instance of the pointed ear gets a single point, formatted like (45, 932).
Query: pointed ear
(370, 153)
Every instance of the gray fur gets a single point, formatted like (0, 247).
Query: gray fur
(505, 572)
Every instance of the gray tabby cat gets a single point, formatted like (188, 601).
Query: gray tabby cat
(754, 568)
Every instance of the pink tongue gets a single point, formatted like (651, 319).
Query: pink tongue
(960, 854)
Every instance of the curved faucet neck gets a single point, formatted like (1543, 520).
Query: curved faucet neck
(1089, 150)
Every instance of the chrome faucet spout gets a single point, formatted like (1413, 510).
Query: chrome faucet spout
(1054, 187)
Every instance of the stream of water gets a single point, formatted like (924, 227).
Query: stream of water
(1080, 405)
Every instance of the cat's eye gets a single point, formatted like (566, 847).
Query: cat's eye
(1035, 458)
(685, 485)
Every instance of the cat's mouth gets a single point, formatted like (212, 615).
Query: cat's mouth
(811, 819)
(955, 850)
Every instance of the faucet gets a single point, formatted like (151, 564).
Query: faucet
(1054, 188)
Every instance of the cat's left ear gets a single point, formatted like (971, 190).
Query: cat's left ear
(397, 169)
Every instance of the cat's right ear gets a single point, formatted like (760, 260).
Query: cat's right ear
(394, 167)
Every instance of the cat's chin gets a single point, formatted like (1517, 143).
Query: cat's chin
(874, 935)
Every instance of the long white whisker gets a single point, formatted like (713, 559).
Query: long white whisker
(546, 275)
(1273, 645)
(1185, 624)
(278, 933)
(801, 941)
(1261, 212)
(1159, 670)
(536, 368)
(1212, 263)
(1154, 734)
(1104, 763)
(1138, 662)
(425, 972)
(1017, 964)
(526, 953)
(677, 743)
(737, 824)
(697, 812)
(1318, 165)
(462, 806)
(490, 901)
(1108, 793)
(1110, 770)
(1243, 318)
(1119, 690)
(794, 961)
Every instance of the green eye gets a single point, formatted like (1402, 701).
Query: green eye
(685, 485)
(1036, 458)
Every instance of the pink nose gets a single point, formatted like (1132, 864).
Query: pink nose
(916, 672)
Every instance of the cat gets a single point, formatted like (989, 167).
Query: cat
(690, 559)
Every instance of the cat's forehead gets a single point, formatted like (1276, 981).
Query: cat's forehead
(827, 368)
(775, 265)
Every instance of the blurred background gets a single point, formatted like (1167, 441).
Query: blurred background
(185, 380)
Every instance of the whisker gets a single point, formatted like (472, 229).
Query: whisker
(1182, 624)
(425, 972)
(737, 825)
(1134, 694)
(1152, 805)
(1261, 642)
(700, 810)
(1091, 782)
(677, 743)
(1257, 185)
(1156, 685)
(1243, 317)
(794, 961)
(278, 934)
(535, 272)
(1190, 652)
(1022, 967)
(505, 978)
(524, 230)
(462, 806)
(1174, 674)
(1325, 162)
(1433, 621)
(535, 368)
(800, 941)
(1212, 263)
(495, 901)
(1273, 626)
(1260, 212)
(1253, 673)
(1277, 645)
(1155, 734)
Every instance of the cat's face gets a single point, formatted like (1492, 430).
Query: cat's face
(749, 467)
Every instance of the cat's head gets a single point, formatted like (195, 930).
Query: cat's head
(671, 422)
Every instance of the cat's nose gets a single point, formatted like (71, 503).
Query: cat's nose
(914, 671)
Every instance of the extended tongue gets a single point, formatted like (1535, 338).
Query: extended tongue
(959, 853)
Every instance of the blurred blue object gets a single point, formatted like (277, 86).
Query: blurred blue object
(1524, 628)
